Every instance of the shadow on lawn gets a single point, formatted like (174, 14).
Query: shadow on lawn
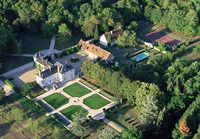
(5, 128)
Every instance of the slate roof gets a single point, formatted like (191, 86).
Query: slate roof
(98, 51)
(62, 69)
(114, 34)
(44, 62)
(38, 54)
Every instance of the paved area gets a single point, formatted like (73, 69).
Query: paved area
(51, 47)
(95, 114)
(77, 65)
(23, 76)
(24, 55)
(7, 89)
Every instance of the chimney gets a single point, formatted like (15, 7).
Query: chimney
(66, 62)
(47, 61)
(50, 68)
(58, 68)
(111, 32)
(40, 54)
(42, 58)
(39, 73)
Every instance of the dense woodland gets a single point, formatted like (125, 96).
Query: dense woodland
(170, 94)
(68, 17)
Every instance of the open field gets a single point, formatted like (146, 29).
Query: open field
(34, 43)
(69, 111)
(76, 90)
(56, 100)
(12, 62)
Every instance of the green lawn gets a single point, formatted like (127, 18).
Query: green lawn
(76, 90)
(68, 112)
(12, 62)
(95, 102)
(56, 100)
(73, 41)
(34, 43)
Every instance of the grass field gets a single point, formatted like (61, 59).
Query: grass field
(56, 100)
(95, 102)
(12, 62)
(125, 116)
(34, 43)
(76, 90)
(68, 112)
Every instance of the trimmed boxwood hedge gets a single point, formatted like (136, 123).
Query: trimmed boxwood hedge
(70, 50)
(9, 83)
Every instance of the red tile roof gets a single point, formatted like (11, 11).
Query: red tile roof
(91, 48)
(114, 34)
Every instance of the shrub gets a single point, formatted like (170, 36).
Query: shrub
(48, 57)
(196, 50)
(74, 59)
(2, 93)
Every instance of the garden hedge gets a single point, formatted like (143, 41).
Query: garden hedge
(9, 83)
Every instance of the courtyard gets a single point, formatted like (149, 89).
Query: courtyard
(74, 97)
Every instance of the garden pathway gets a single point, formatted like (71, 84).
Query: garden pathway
(113, 125)
(23, 55)
(52, 44)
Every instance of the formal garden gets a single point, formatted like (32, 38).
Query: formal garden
(76, 90)
(72, 100)
(68, 112)
(56, 100)
(95, 102)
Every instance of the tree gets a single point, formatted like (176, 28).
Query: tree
(133, 26)
(2, 93)
(127, 39)
(57, 133)
(184, 129)
(26, 88)
(19, 48)
(17, 114)
(196, 50)
(149, 88)
(145, 48)
(89, 26)
(107, 133)
(134, 62)
(109, 39)
(48, 29)
(77, 128)
(117, 65)
(64, 34)
(131, 133)
(36, 126)
(149, 110)
(96, 34)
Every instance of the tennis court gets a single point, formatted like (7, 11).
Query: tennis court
(157, 37)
